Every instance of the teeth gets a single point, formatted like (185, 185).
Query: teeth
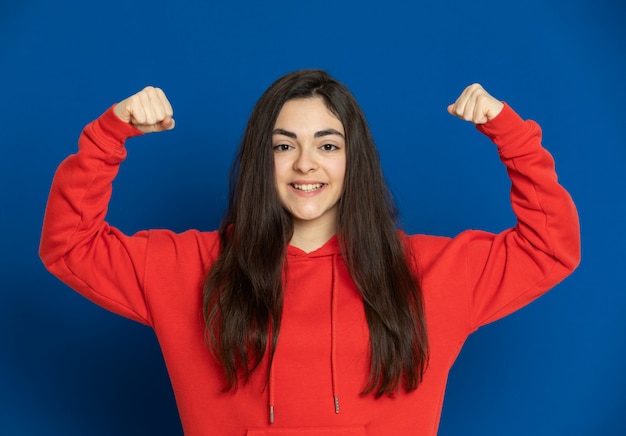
(308, 187)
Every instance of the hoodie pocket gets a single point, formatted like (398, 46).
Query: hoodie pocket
(310, 431)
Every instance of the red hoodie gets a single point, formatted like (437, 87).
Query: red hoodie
(155, 277)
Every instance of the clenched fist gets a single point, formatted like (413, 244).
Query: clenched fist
(476, 105)
(149, 110)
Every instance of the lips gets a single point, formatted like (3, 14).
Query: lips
(307, 187)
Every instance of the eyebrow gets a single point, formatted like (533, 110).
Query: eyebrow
(319, 134)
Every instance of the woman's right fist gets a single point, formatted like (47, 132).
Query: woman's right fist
(149, 110)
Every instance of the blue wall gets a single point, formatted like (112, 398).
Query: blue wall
(556, 367)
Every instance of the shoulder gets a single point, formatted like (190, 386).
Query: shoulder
(191, 246)
(444, 259)
(428, 249)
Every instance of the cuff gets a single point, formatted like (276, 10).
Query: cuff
(512, 134)
(112, 127)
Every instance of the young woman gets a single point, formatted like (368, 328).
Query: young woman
(308, 312)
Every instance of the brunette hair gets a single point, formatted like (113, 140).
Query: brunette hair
(243, 294)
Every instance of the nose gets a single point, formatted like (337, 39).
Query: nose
(305, 161)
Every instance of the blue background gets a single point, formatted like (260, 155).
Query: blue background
(555, 367)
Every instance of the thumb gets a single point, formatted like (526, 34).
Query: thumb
(451, 109)
(167, 123)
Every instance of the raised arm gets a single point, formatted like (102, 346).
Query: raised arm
(77, 244)
(512, 268)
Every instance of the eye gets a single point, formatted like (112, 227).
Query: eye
(329, 147)
(282, 147)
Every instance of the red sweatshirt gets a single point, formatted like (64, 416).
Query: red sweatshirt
(155, 277)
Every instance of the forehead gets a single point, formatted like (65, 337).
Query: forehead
(307, 114)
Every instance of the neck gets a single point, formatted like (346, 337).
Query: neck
(309, 236)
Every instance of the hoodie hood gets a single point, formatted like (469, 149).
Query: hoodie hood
(330, 248)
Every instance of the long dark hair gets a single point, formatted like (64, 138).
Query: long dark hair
(243, 295)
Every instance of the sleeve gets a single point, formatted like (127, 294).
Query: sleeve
(77, 245)
(510, 269)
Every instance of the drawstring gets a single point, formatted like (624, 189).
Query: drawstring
(333, 341)
(333, 348)
(270, 388)
(271, 391)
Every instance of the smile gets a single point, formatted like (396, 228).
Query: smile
(309, 187)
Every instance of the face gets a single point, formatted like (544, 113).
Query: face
(310, 162)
